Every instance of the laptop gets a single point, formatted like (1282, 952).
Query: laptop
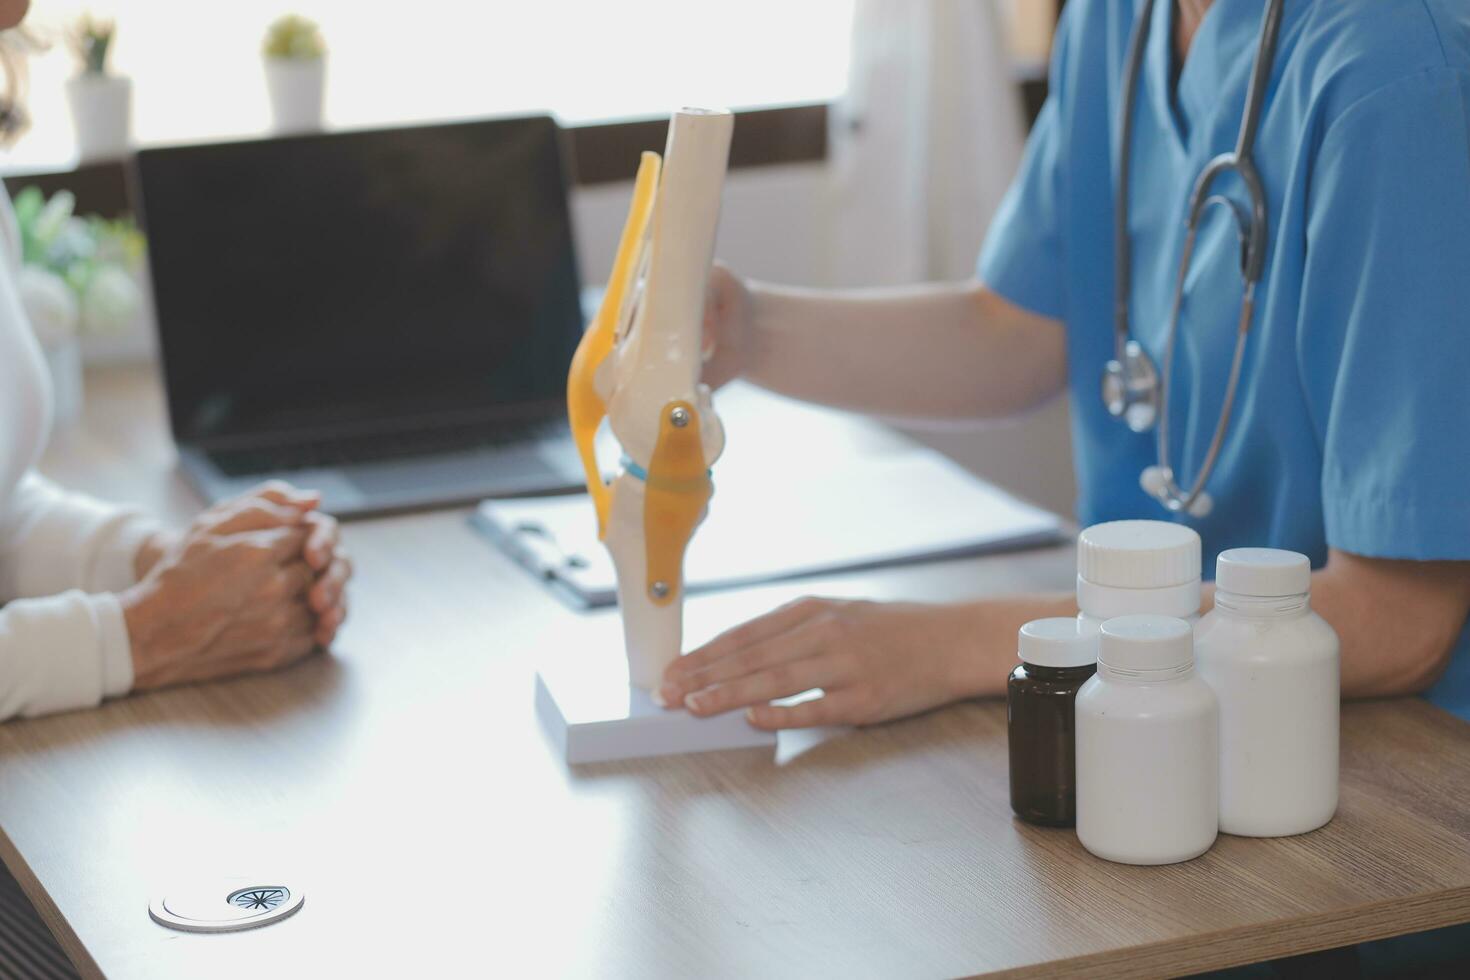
(385, 316)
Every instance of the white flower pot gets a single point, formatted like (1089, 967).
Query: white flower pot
(297, 89)
(64, 362)
(101, 109)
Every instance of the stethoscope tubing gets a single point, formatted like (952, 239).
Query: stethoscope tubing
(1252, 227)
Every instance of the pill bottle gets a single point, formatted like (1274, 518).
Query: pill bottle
(1148, 748)
(1273, 665)
(1057, 658)
(1126, 568)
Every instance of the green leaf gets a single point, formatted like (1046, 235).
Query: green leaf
(28, 204)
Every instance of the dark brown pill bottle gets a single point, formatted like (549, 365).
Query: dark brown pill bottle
(1056, 660)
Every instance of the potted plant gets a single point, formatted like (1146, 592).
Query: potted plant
(101, 102)
(295, 73)
(78, 276)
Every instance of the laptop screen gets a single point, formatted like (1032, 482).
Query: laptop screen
(330, 283)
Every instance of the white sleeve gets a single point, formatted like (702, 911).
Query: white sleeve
(52, 540)
(62, 652)
(63, 640)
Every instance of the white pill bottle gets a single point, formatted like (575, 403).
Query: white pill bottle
(1273, 664)
(1127, 568)
(1148, 749)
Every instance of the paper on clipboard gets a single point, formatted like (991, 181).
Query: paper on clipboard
(859, 511)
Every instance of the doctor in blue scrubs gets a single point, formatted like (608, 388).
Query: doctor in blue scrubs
(1349, 438)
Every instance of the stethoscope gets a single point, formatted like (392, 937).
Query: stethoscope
(1132, 388)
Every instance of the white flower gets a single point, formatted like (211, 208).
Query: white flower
(54, 217)
(111, 301)
(49, 304)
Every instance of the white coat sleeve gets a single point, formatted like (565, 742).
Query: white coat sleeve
(63, 640)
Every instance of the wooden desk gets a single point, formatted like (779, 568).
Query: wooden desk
(405, 783)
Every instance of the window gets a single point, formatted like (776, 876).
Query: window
(197, 74)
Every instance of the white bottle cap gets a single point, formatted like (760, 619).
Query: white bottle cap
(1263, 572)
(1128, 567)
(1138, 554)
(1057, 642)
(1146, 643)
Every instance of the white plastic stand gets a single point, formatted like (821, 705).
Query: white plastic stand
(592, 714)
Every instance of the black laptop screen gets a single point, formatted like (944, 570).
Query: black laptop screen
(330, 282)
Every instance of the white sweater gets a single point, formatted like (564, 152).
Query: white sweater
(63, 641)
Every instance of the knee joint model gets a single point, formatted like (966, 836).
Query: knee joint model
(638, 366)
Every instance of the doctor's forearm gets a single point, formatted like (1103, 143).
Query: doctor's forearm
(1398, 621)
(940, 350)
(984, 631)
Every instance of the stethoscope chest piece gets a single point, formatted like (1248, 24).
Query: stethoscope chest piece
(1158, 482)
(1130, 388)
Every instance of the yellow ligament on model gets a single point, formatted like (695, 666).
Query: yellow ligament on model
(585, 406)
(676, 492)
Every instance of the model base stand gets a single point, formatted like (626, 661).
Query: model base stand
(592, 714)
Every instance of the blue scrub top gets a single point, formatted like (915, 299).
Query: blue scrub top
(1351, 428)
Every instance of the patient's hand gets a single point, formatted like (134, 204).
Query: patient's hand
(873, 661)
(274, 503)
(256, 582)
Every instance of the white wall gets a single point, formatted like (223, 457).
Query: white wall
(775, 225)
(197, 75)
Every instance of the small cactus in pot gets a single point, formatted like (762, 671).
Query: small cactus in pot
(295, 73)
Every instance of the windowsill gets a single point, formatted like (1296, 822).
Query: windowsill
(598, 153)
(22, 164)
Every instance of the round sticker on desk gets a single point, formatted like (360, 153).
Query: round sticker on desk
(226, 905)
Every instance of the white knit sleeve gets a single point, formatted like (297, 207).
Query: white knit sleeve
(63, 640)
(62, 652)
(52, 540)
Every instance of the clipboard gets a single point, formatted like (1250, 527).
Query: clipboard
(848, 513)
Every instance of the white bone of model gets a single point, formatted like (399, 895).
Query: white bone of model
(649, 381)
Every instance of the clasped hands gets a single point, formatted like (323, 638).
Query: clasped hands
(255, 582)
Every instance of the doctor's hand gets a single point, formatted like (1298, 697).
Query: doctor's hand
(727, 327)
(873, 661)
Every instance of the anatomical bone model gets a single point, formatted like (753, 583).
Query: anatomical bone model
(638, 365)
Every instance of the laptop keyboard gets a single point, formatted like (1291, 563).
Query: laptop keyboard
(378, 448)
